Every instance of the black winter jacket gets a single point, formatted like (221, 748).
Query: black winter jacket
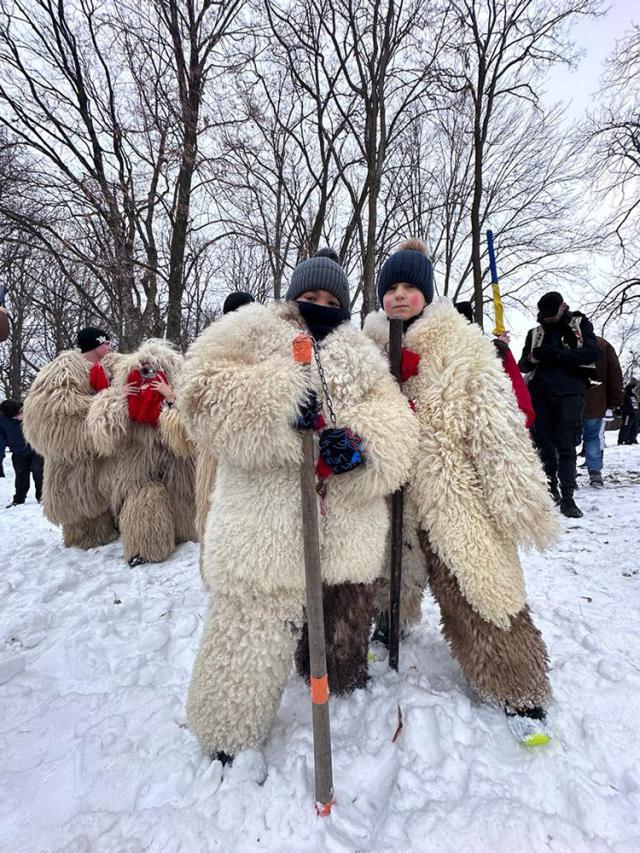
(11, 436)
(559, 372)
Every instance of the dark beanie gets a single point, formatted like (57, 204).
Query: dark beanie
(549, 304)
(91, 338)
(464, 308)
(410, 265)
(236, 300)
(321, 272)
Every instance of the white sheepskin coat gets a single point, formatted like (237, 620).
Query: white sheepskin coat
(476, 481)
(239, 393)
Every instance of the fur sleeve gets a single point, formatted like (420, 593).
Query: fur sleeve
(389, 431)
(505, 460)
(56, 407)
(108, 420)
(380, 414)
(174, 434)
(239, 404)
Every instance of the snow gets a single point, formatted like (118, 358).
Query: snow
(94, 665)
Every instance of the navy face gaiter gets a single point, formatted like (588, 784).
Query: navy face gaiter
(320, 319)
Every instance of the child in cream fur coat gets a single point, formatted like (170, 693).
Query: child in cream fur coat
(476, 492)
(243, 396)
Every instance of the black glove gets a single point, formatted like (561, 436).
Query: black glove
(545, 355)
(340, 449)
(308, 411)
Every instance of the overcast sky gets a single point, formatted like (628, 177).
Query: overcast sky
(597, 38)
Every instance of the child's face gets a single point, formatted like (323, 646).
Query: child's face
(403, 300)
(319, 297)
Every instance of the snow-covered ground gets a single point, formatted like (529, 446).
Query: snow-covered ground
(94, 754)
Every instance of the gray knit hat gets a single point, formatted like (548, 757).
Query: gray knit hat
(321, 272)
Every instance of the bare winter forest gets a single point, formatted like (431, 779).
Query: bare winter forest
(155, 156)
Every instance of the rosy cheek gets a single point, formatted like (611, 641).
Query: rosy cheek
(415, 300)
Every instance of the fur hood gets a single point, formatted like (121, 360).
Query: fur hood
(157, 352)
(108, 420)
(477, 482)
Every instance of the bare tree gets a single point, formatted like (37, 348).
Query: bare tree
(613, 131)
(498, 50)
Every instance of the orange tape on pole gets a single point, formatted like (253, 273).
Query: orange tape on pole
(302, 349)
(319, 690)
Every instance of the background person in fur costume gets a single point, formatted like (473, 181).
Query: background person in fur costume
(243, 396)
(149, 482)
(55, 425)
(476, 491)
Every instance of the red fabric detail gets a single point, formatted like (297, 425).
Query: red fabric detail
(412, 405)
(98, 378)
(519, 387)
(409, 364)
(145, 407)
(320, 422)
(323, 471)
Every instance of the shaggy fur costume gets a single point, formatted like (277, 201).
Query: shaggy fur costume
(240, 392)
(477, 491)
(149, 485)
(348, 609)
(55, 425)
(502, 666)
(477, 483)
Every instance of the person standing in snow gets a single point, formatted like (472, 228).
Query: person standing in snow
(606, 394)
(26, 462)
(476, 491)
(245, 400)
(630, 414)
(148, 468)
(560, 357)
(55, 425)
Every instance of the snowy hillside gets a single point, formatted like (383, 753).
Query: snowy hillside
(95, 659)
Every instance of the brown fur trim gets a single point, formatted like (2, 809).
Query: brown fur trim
(90, 532)
(415, 245)
(348, 610)
(179, 479)
(504, 666)
(146, 524)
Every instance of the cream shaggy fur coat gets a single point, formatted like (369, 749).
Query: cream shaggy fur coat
(55, 425)
(477, 483)
(147, 472)
(240, 392)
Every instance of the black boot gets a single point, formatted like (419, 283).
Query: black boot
(569, 507)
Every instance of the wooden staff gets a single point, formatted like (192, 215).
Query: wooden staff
(395, 575)
(319, 682)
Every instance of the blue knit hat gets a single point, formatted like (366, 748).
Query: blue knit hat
(321, 272)
(411, 265)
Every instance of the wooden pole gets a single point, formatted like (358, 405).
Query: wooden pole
(395, 575)
(319, 682)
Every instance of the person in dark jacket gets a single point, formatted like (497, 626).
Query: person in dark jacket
(607, 394)
(630, 414)
(560, 357)
(26, 462)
